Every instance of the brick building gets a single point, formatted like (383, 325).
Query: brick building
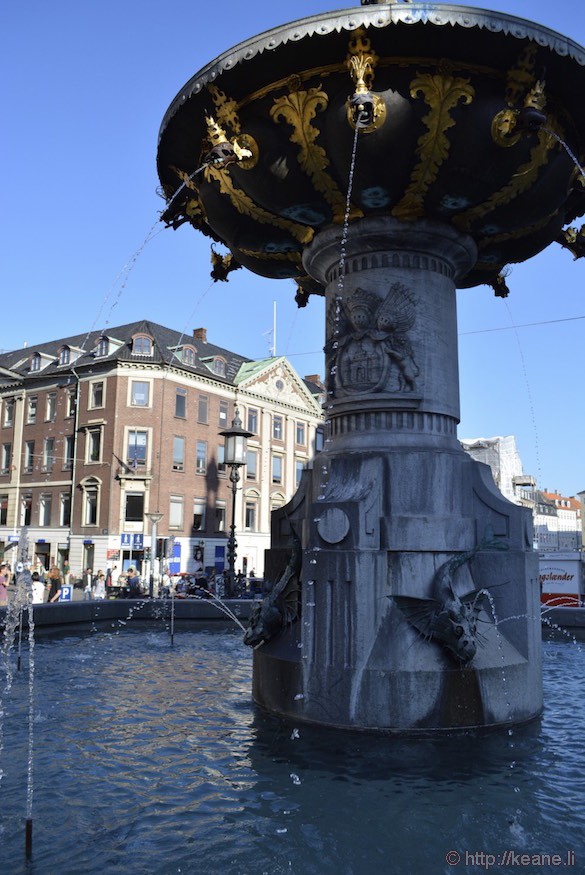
(99, 430)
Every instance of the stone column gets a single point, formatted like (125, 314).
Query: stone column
(398, 522)
(391, 347)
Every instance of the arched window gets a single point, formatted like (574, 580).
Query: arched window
(219, 366)
(64, 355)
(142, 345)
(188, 355)
(35, 362)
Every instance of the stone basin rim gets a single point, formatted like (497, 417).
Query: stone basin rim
(322, 24)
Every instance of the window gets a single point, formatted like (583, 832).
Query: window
(8, 418)
(252, 420)
(220, 512)
(181, 403)
(94, 445)
(71, 402)
(51, 407)
(319, 439)
(134, 507)
(96, 395)
(277, 469)
(277, 428)
(137, 447)
(139, 393)
(250, 516)
(223, 413)
(25, 510)
(6, 460)
(301, 434)
(48, 454)
(90, 506)
(69, 447)
(178, 453)
(176, 512)
(201, 461)
(219, 367)
(64, 355)
(251, 465)
(199, 514)
(103, 347)
(188, 355)
(299, 468)
(35, 362)
(31, 409)
(45, 505)
(3, 510)
(65, 509)
(221, 459)
(29, 456)
(203, 409)
(277, 500)
(142, 345)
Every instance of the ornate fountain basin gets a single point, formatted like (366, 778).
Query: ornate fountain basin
(450, 85)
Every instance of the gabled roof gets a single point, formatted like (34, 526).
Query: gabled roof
(262, 378)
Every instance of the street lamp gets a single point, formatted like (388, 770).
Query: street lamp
(236, 448)
(154, 519)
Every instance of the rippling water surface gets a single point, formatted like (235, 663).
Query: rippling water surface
(152, 759)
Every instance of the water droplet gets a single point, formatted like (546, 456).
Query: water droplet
(295, 778)
(299, 696)
(295, 734)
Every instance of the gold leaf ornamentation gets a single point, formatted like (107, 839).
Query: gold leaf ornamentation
(244, 204)
(298, 109)
(442, 92)
(522, 180)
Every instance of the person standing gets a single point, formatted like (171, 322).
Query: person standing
(55, 583)
(38, 588)
(134, 591)
(4, 581)
(87, 584)
(100, 586)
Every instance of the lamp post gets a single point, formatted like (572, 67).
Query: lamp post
(236, 448)
(154, 519)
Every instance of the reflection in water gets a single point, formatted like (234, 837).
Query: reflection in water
(152, 759)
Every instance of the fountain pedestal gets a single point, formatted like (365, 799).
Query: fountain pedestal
(391, 501)
(383, 155)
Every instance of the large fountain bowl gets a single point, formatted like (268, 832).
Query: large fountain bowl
(451, 85)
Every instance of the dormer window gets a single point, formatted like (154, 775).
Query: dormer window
(64, 355)
(188, 355)
(103, 346)
(35, 362)
(219, 367)
(142, 345)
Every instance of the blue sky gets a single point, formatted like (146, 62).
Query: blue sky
(85, 87)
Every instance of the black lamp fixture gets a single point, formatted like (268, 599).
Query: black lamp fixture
(236, 449)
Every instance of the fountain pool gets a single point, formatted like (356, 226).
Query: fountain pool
(152, 759)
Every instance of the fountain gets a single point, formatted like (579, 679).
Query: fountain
(384, 156)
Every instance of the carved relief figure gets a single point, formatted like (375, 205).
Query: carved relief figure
(372, 351)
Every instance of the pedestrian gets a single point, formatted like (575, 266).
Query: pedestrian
(55, 583)
(134, 590)
(99, 591)
(87, 578)
(38, 588)
(4, 581)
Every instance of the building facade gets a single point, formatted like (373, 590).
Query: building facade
(99, 431)
(557, 518)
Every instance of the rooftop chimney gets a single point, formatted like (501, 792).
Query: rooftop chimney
(200, 334)
(314, 378)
